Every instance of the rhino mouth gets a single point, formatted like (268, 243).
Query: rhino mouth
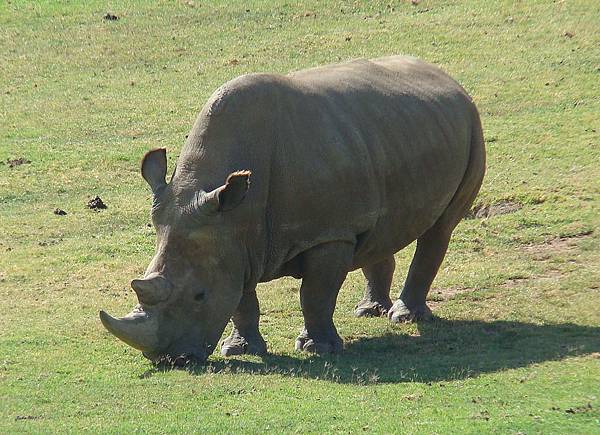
(174, 360)
(177, 358)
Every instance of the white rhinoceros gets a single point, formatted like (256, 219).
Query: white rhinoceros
(349, 164)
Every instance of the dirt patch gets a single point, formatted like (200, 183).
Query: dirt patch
(579, 409)
(558, 245)
(541, 251)
(438, 296)
(445, 294)
(549, 275)
(96, 204)
(17, 162)
(434, 305)
(514, 282)
(499, 208)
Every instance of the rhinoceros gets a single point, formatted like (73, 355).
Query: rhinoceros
(311, 175)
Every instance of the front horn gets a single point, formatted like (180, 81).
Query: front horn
(138, 329)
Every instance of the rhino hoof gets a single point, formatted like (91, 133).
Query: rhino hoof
(400, 313)
(371, 309)
(235, 344)
(309, 345)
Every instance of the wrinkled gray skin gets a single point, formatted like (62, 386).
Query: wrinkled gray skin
(349, 164)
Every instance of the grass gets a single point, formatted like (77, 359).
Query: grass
(515, 347)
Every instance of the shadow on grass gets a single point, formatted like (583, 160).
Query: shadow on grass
(445, 350)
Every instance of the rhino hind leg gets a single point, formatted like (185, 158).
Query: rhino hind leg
(376, 301)
(324, 269)
(430, 252)
(433, 244)
(245, 337)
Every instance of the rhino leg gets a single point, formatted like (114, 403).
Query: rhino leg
(376, 301)
(324, 270)
(431, 249)
(245, 337)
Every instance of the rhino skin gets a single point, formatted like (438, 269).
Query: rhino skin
(349, 164)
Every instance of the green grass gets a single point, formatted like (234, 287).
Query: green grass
(516, 343)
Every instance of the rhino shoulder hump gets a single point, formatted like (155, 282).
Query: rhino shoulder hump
(241, 90)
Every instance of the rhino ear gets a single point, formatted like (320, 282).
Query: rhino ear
(154, 168)
(232, 193)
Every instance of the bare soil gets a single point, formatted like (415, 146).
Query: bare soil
(487, 211)
(17, 162)
(558, 245)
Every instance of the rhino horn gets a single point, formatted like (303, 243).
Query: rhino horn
(152, 289)
(138, 329)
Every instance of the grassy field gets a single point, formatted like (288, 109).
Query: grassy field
(515, 346)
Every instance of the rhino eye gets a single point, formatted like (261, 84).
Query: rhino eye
(199, 296)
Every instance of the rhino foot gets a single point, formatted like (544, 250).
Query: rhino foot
(332, 344)
(371, 309)
(400, 313)
(236, 344)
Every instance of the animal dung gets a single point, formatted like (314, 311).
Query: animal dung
(96, 204)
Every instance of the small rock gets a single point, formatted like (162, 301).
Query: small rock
(568, 35)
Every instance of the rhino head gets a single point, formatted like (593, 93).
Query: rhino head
(196, 278)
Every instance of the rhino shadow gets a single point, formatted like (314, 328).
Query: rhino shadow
(444, 350)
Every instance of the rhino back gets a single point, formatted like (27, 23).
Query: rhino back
(370, 152)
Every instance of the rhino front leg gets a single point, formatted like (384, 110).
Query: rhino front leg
(245, 337)
(376, 302)
(324, 270)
